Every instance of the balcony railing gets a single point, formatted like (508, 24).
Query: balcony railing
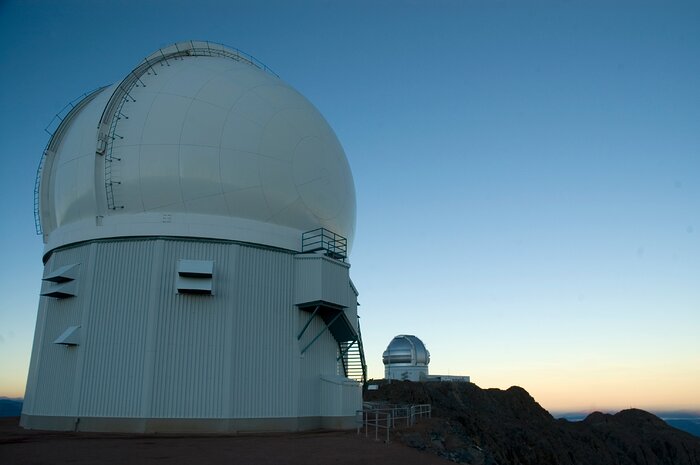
(321, 239)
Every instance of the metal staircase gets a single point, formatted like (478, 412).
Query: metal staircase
(353, 356)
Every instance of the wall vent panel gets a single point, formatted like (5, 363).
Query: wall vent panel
(195, 277)
(61, 291)
(195, 268)
(61, 282)
(63, 274)
(69, 337)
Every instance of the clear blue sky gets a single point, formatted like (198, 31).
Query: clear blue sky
(527, 173)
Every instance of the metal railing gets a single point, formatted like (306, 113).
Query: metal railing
(376, 419)
(387, 417)
(420, 411)
(335, 245)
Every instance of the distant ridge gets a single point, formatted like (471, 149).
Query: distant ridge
(689, 425)
(492, 426)
(688, 421)
(10, 407)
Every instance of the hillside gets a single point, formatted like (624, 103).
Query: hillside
(496, 427)
(10, 407)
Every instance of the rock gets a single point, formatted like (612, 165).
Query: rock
(496, 427)
(437, 445)
(413, 439)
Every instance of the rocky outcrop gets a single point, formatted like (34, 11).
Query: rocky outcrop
(496, 427)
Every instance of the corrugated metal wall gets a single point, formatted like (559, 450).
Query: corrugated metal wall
(265, 363)
(149, 352)
(321, 278)
(115, 327)
(340, 396)
(51, 387)
(315, 362)
(188, 345)
(351, 310)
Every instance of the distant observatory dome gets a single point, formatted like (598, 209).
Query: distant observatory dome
(213, 147)
(407, 349)
(406, 358)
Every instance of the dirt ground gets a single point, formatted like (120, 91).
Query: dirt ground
(19, 447)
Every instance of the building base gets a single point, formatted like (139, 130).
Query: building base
(184, 425)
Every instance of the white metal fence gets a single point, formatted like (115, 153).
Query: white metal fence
(386, 417)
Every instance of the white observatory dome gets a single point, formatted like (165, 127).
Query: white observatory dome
(197, 141)
(406, 358)
(406, 349)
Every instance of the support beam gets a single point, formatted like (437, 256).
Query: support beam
(303, 330)
(322, 331)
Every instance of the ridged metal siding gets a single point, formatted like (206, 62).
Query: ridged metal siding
(321, 278)
(51, 387)
(149, 352)
(115, 329)
(314, 362)
(265, 362)
(351, 310)
(188, 349)
(340, 397)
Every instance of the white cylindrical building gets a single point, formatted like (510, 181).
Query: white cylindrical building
(197, 218)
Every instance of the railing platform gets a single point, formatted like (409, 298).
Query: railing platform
(322, 239)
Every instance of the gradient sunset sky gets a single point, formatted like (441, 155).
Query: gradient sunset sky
(527, 173)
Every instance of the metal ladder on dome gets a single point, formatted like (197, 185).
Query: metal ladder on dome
(352, 355)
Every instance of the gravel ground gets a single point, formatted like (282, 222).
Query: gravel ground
(19, 447)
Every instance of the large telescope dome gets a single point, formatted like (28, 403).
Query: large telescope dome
(196, 217)
(199, 140)
(406, 358)
(406, 349)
